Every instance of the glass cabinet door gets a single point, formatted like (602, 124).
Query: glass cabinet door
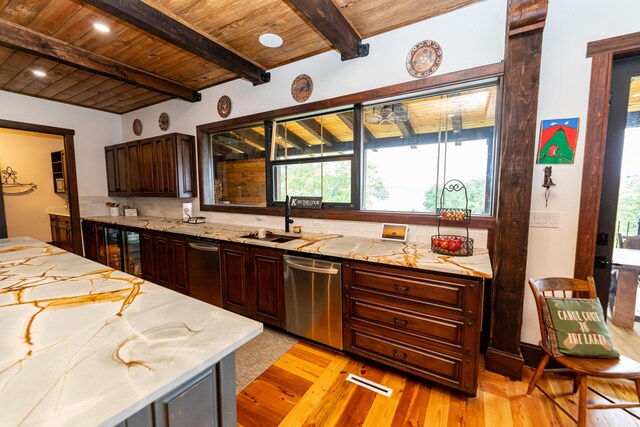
(113, 244)
(132, 256)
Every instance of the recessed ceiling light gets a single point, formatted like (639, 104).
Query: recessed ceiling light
(101, 27)
(39, 73)
(270, 40)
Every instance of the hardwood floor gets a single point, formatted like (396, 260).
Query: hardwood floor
(307, 387)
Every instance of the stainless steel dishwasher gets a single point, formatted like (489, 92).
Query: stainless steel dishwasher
(203, 259)
(313, 299)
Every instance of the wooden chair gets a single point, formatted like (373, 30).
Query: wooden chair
(581, 367)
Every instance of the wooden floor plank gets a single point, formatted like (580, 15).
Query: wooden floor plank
(382, 410)
(307, 387)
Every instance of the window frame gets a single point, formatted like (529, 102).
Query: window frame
(356, 195)
(469, 79)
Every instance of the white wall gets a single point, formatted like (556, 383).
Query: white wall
(564, 92)
(93, 130)
(29, 154)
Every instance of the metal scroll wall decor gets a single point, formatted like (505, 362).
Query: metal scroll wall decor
(14, 187)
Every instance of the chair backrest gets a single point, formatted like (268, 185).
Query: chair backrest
(632, 242)
(560, 287)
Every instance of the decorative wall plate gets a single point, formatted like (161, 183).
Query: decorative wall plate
(424, 58)
(137, 127)
(163, 121)
(224, 106)
(301, 88)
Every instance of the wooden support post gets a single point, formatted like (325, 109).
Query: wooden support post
(519, 124)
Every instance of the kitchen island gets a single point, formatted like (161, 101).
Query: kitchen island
(84, 344)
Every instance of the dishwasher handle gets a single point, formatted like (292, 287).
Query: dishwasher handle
(312, 269)
(204, 247)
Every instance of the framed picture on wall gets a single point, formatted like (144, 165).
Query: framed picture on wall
(60, 185)
(394, 232)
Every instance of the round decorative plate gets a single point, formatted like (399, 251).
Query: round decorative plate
(163, 121)
(224, 106)
(424, 58)
(137, 127)
(301, 88)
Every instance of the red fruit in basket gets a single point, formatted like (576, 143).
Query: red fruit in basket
(454, 245)
(443, 214)
(435, 241)
(445, 243)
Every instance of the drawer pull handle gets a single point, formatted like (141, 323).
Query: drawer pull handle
(405, 288)
(403, 322)
(397, 354)
(396, 286)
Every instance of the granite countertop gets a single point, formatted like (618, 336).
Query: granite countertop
(83, 344)
(58, 211)
(413, 255)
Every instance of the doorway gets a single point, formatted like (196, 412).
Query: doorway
(617, 261)
(70, 177)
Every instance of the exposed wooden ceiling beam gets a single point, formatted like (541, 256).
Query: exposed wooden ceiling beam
(251, 137)
(329, 20)
(406, 129)
(348, 120)
(160, 25)
(317, 130)
(23, 39)
(291, 137)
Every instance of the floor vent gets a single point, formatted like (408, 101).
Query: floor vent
(362, 382)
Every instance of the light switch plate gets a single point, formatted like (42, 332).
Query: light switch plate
(544, 219)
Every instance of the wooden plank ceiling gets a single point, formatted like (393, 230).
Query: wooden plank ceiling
(162, 49)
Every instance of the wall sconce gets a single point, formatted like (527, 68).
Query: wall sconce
(547, 184)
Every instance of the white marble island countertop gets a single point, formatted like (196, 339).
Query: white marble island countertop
(413, 255)
(83, 344)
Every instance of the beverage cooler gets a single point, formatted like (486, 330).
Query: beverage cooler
(123, 250)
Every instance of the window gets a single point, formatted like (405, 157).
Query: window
(237, 161)
(391, 156)
(313, 156)
(412, 147)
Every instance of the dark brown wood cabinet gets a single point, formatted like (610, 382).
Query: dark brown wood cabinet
(117, 163)
(253, 283)
(164, 259)
(61, 232)
(93, 239)
(59, 171)
(424, 323)
(134, 168)
(162, 166)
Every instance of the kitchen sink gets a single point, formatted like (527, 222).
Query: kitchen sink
(270, 237)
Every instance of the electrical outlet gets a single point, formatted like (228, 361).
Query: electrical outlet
(544, 219)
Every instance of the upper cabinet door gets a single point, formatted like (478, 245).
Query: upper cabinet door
(146, 165)
(161, 166)
(122, 170)
(112, 172)
(134, 163)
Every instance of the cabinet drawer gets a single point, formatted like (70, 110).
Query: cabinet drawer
(451, 293)
(451, 333)
(451, 369)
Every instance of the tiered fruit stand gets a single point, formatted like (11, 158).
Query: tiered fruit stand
(452, 244)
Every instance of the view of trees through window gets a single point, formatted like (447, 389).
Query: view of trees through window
(416, 146)
(628, 216)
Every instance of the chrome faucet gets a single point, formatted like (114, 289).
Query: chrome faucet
(287, 214)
